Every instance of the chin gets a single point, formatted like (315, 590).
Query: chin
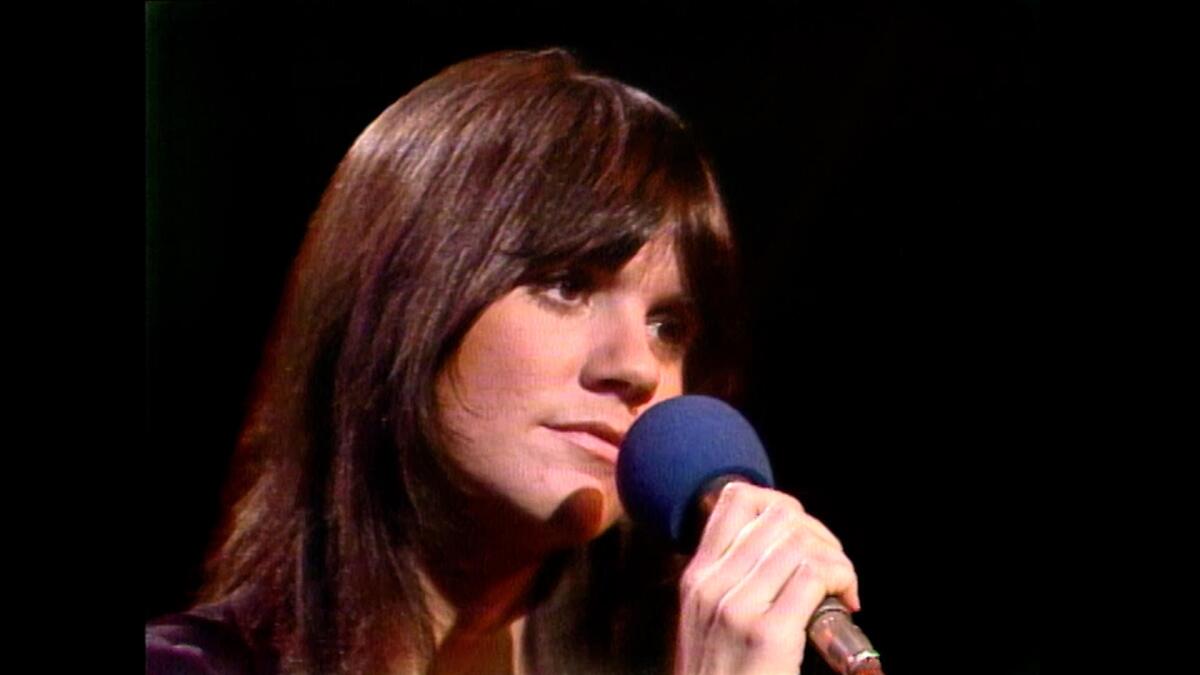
(585, 514)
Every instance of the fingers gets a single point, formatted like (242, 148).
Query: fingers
(812, 581)
(762, 568)
(736, 507)
(757, 591)
(757, 542)
(739, 504)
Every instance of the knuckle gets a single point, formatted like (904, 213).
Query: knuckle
(842, 564)
(832, 538)
(846, 576)
(795, 540)
(691, 582)
(799, 547)
(760, 634)
(787, 516)
(837, 574)
(799, 521)
(804, 571)
(696, 591)
(735, 490)
(708, 597)
(822, 533)
(731, 617)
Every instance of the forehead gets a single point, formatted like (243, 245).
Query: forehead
(654, 267)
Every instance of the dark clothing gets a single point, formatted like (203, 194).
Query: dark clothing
(203, 641)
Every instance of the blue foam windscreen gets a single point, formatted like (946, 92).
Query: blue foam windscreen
(674, 449)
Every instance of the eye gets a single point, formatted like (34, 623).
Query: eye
(675, 329)
(565, 289)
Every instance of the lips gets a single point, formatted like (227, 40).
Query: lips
(596, 437)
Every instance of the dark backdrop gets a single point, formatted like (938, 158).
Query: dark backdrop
(882, 168)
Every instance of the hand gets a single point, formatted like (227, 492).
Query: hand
(762, 567)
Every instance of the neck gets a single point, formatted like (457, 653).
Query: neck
(479, 583)
(475, 602)
(482, 567)
(478, 613)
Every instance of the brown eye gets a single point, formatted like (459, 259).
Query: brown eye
(675, 330)
(570, 289)
(566, 289)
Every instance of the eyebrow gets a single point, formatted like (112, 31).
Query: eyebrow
(681, 301)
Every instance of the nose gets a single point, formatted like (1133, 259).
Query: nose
(621, 360)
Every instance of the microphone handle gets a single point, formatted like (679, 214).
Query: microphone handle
(835, 637)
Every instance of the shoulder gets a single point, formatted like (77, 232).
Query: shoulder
(202, 641)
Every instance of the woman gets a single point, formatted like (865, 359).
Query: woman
(510, 264)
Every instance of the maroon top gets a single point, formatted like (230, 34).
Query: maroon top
(204, 641)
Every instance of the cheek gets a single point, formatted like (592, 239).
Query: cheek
(671, 384)
(511, 353)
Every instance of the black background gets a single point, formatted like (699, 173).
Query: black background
(882, 168)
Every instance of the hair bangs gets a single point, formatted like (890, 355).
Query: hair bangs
(619, 170)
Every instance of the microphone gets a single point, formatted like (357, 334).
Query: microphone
(673, 463)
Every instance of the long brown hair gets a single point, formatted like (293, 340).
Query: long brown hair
(485, 176)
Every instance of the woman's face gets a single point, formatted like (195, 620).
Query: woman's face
(545, 383)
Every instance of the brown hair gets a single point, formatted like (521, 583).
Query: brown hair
(481, 178)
